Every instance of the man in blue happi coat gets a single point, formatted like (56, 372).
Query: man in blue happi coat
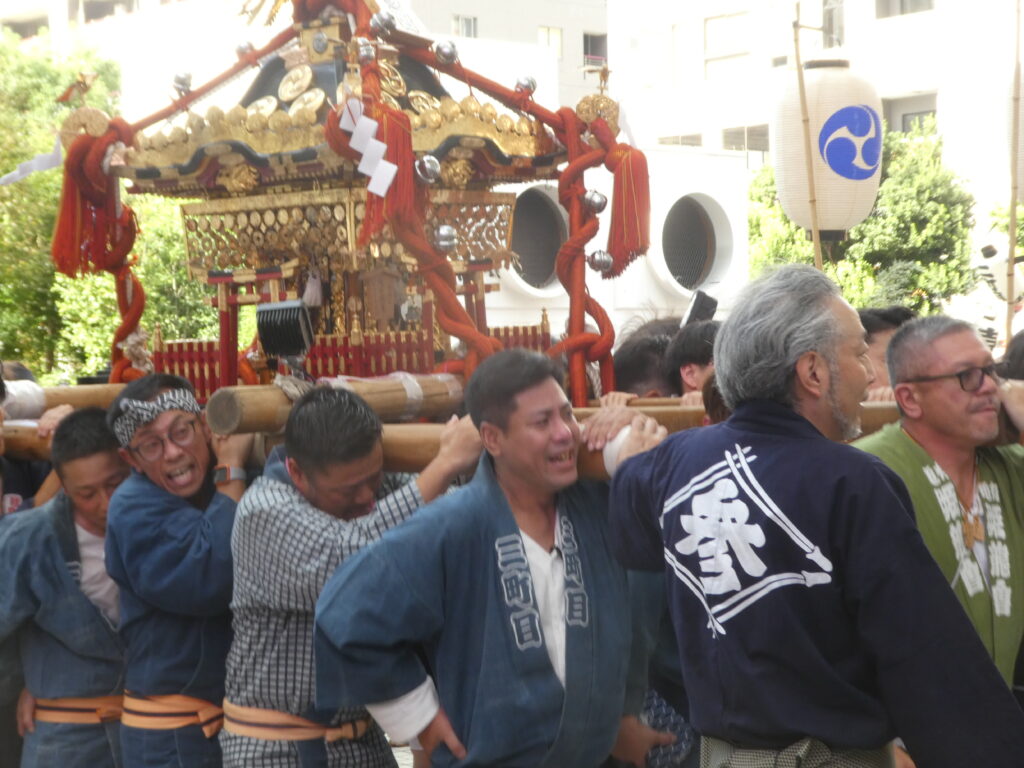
(507, 587)
(60, 605)
(813, 625)
(169, 550)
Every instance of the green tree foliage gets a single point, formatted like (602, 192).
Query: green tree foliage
(88, 306)
(913, 249)
(63, 327)
(30, 324)
(1001, 222)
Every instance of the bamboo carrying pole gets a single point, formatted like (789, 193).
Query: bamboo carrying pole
(812, 196)
(1014, 185)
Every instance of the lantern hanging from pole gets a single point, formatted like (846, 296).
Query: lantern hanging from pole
(991, 268)
(844, 113)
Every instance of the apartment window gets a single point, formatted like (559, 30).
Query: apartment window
(689, 140)
(748, 137)
(550, 37)
(595, 48)
(832, 32)
(885, 8)
(726, 47)
(909, 120)
(902, 114)
(464, 26)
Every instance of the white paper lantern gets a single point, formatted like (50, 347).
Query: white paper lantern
(990, 266)
(846, 148)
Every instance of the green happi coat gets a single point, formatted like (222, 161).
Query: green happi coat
(996, 608)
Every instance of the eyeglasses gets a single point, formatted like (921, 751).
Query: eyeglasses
(970, 378)
(182, 434)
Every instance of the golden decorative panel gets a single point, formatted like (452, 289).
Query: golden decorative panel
(267, 229)
(483, 221)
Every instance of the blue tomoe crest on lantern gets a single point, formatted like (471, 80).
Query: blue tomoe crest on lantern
(850, 142)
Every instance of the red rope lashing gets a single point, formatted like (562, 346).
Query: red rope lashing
(249, 60)
(630, 227)
(438, 274)
(403, 201)
(131, 301)
(337, 139)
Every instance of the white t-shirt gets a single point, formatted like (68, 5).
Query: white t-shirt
(96, 583)
(406, 716)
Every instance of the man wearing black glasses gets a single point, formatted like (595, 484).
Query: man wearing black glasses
(968, 495)
(169, 550)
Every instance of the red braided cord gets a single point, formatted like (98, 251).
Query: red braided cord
(507, 96)
(406, 219)
(249, 60)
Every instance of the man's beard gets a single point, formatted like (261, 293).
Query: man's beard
(849, 426)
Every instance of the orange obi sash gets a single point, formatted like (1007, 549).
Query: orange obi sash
(166, 713)
(91, 710)
(271, 725)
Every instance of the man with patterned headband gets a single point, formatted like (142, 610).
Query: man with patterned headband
(169, 550)
(968, 494)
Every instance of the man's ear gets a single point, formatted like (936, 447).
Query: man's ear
(907, 399)
(205, 425)
(294, 471)
(490, 435)
(130, 458)
(812, 374)
(689, 374)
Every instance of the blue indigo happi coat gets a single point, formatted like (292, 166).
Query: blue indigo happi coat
(453, 584)
(172, 562)
(65, 647)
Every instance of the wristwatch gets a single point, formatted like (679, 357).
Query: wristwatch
(223, 474)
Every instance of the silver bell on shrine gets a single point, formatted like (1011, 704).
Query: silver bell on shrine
(428, 169)
(446, 52)
(445, 238)
(600, 261)
(595, 201)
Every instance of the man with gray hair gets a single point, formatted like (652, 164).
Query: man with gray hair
(805, 603)
(968, 495)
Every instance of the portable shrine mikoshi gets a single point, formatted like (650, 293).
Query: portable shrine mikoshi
(349, 175)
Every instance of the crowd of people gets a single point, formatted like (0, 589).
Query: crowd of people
(765, 590)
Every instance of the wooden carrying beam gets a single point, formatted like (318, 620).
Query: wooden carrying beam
(81, 396)
(266, 408)
(410, 447)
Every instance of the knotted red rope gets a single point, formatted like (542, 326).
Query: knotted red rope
(94, 232)
(404, 203)
(570, 266)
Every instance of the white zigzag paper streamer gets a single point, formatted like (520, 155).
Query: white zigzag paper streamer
(37, 163)
(364, 141)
